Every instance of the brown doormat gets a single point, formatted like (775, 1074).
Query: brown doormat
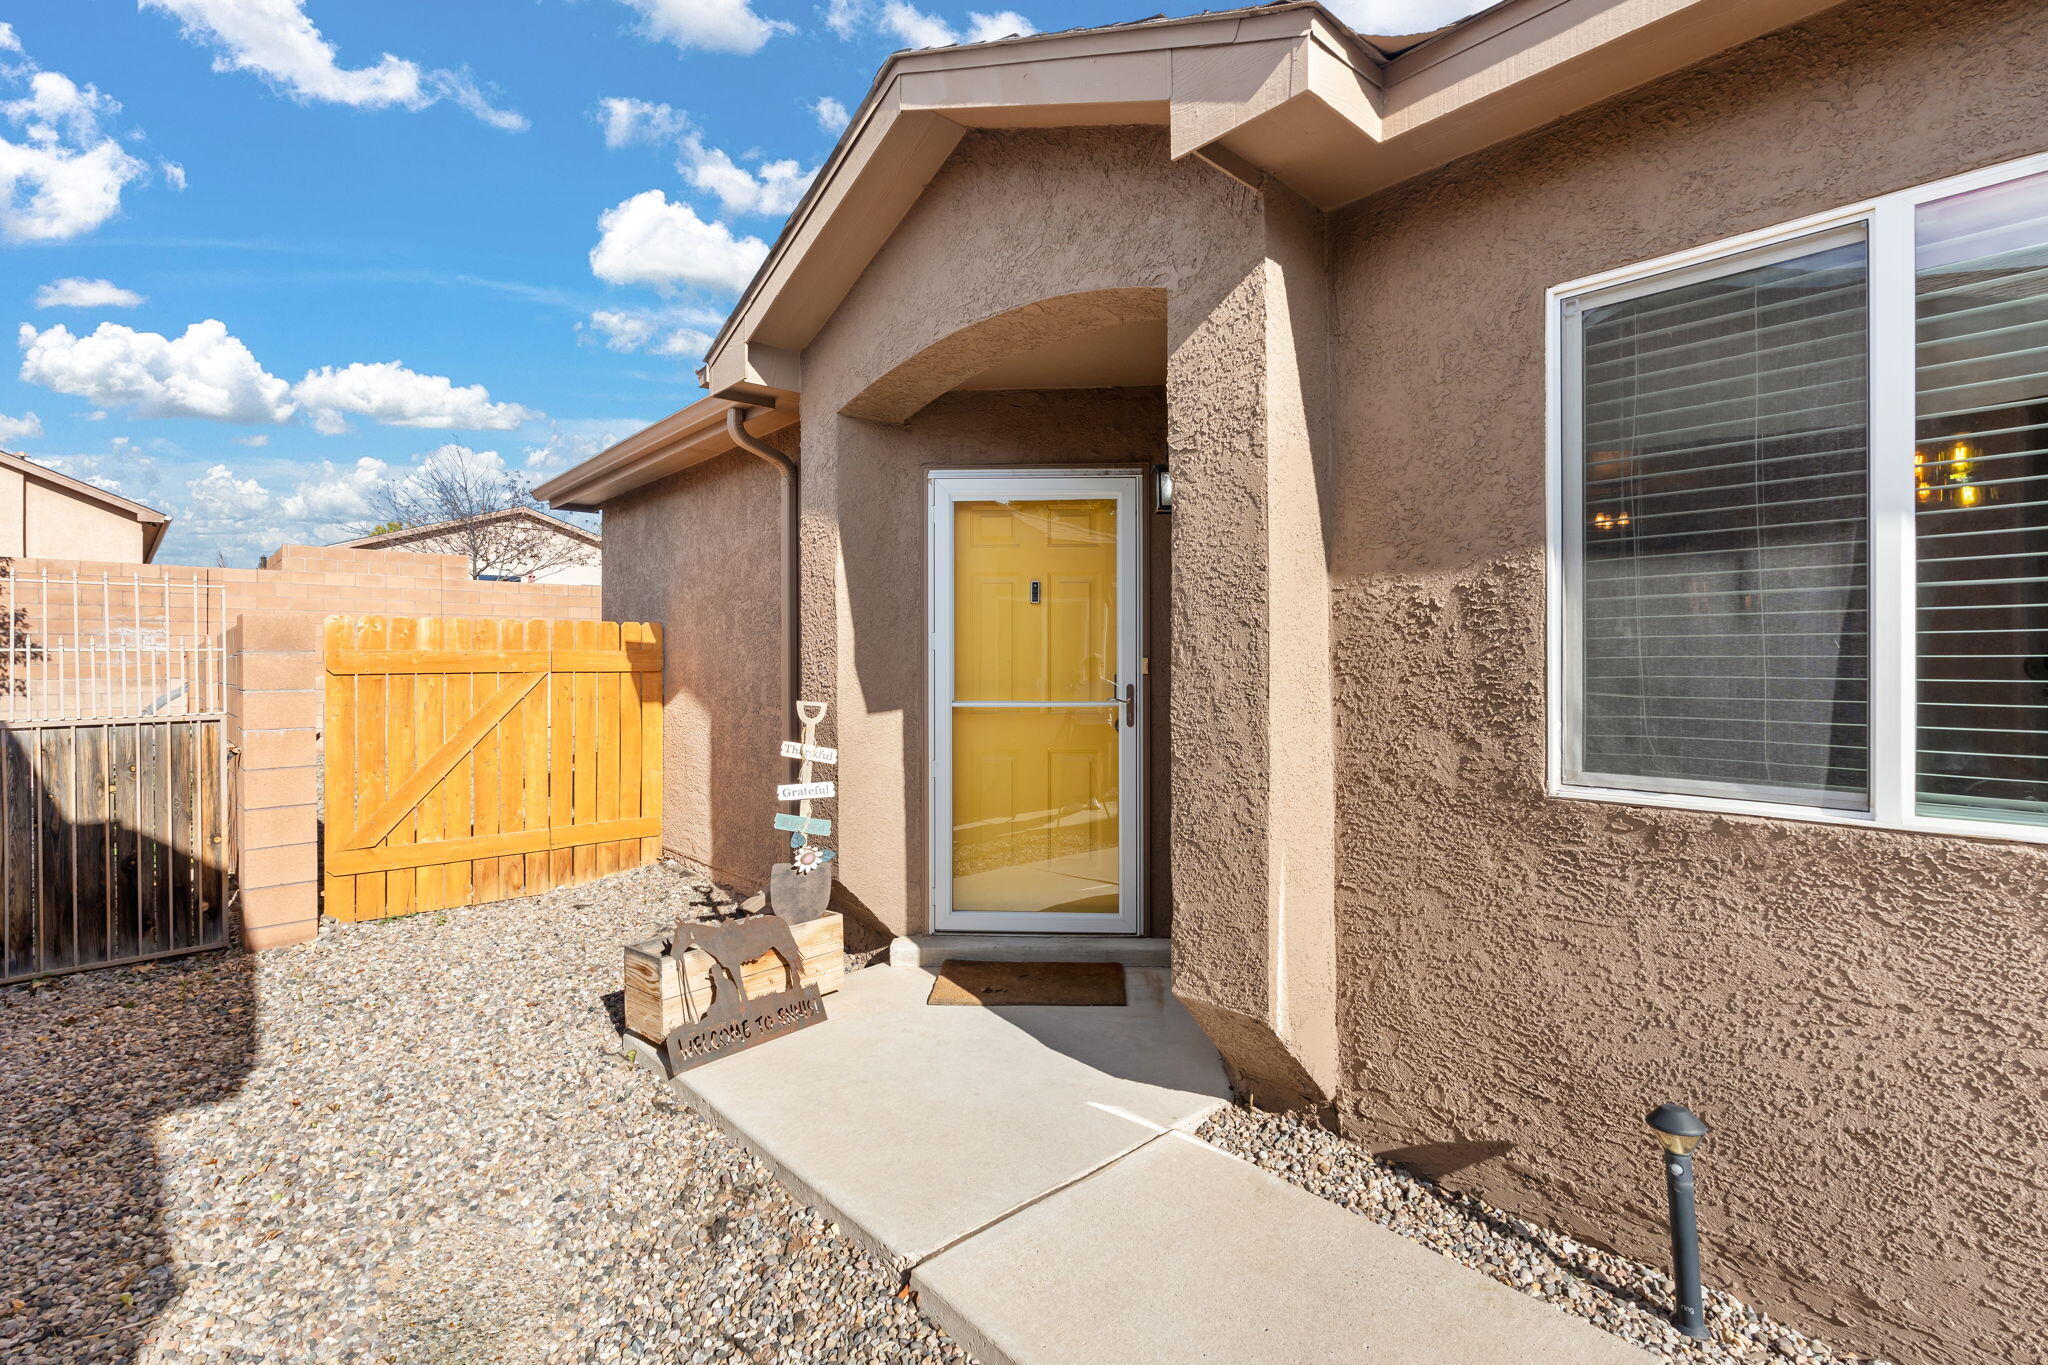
(963, 981)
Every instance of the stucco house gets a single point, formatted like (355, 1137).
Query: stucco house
(47, 515)
(517, 544)
(1519, 552)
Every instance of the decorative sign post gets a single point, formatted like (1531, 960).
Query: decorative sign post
(690, 991)
(806, 857)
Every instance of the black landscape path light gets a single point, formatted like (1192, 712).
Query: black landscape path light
(1680, 1130)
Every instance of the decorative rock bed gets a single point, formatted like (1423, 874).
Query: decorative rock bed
(1625, 1297)
(413, 1141)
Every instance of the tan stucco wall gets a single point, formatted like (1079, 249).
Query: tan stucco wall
(1859, 1014)
(700, 552)
(41, 521)
(1010, 220)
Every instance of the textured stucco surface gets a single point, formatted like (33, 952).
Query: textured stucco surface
(879, 696)
(700, 553)
(1010, 221)
(1100, 219)
(1860, 1015)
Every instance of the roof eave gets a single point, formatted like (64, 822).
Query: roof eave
(689, 437)
(1301, 98)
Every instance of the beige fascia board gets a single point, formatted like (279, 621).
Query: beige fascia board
(900, 147)
(1520, 66)
(800, 287)
(1286, 91)
(678, 441)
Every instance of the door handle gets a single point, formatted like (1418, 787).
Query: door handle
(1130, 701)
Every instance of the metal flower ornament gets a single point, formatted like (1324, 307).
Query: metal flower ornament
(807, 857)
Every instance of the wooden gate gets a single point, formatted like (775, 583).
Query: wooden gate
(472, 760)
(115, 839)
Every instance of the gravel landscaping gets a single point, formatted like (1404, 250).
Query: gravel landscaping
(1623, 1296)
(410, 1142)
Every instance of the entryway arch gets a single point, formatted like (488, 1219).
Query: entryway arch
(1099, 338)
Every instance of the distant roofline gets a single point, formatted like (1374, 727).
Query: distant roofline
(433, 528)
(154, 523)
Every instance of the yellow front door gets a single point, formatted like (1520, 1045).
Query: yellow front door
(1039, 740)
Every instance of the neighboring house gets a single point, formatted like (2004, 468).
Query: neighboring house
(530, 546)
(47, 515)
(1598, 652)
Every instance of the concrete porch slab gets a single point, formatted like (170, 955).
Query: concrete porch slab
(915, 1126)
(930, 950)
(1180, 1252)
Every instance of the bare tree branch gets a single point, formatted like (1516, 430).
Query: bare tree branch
(470, 496)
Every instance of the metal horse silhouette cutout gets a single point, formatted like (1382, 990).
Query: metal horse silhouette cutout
(735, 1021)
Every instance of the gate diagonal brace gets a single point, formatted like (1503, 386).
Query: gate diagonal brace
(442, 761)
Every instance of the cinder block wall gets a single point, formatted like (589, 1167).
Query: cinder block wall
(274, 617)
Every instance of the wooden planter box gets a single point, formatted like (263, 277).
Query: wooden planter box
(659, 998)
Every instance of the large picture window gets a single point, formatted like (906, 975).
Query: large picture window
(1801, 518)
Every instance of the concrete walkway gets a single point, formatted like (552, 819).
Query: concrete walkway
(1031, 1169)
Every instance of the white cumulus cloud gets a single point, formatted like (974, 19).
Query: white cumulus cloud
(648, 240)
(61, 174)
(846, 17)
(830, 113)
(914, 28)
(77, 292)
(772, 187)
(907, 24)
(123, 469)
(277, 41)
(712, 25)
(204, 373)
(389, 393)
(630, 121)
(26, 427)
(335, 493)
(670, 331)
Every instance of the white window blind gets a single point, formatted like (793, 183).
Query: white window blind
(1981, 509)
(1719, 548)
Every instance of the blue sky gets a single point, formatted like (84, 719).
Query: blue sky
(259, 254)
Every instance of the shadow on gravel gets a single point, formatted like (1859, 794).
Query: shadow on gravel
(89, 1063)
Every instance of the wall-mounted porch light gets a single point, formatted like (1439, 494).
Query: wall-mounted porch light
(1679, 1130)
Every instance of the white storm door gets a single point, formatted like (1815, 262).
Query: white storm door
(1038, 694)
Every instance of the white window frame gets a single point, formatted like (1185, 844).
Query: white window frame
(1888, 224)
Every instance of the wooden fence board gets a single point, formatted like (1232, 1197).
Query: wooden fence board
(19, 906)
(488, 783)
(56, 926)
(562, 754)
(533, 771)
(401, 887)
(152, 815)
(181, 892)
(89, 846)
(213, 835)
(488, 759)
(124, 890)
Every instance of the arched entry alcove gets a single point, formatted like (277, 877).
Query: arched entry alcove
(1097, 339)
